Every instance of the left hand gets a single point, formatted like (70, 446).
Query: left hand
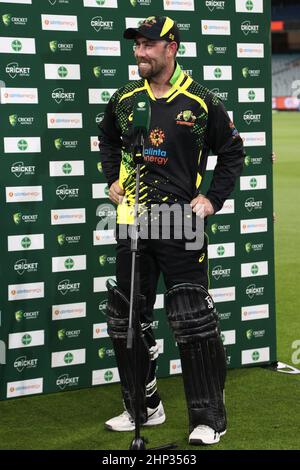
(202, 206)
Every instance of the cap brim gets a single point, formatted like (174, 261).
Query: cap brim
(131, 33)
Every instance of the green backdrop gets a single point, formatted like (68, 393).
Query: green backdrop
(60, 61)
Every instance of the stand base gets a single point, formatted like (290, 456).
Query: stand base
(282, 367)
(138, 444)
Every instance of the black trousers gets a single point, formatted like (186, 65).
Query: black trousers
(177, 264)
(168, 257)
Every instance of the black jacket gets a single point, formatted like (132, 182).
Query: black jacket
(185, 125)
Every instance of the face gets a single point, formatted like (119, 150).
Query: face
(151, 56)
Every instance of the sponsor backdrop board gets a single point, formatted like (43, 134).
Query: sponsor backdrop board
(60, 61)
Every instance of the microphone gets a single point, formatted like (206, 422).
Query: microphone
(140, 125)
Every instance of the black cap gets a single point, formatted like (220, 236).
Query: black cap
(157, 28)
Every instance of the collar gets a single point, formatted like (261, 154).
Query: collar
(176, 75)
(175, 81)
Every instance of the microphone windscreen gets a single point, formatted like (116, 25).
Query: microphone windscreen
(141, 114)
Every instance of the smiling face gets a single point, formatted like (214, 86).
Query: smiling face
(153, 57)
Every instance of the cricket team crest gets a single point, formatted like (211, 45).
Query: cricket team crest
(186, 118)
(149, 22)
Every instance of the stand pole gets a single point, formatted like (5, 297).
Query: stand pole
(134, 327)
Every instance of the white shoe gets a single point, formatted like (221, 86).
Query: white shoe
(124, 422)
(203, 435)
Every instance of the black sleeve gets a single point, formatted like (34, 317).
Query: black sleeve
(110, 144)
(225, 142)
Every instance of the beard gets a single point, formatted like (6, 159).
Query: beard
(150, 71)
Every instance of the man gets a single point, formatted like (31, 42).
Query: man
(187, 120)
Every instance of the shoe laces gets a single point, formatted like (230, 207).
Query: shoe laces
(203, 427)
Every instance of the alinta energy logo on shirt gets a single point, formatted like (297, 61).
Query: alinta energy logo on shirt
(156, 155)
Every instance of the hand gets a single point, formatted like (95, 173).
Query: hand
(202, 206)
(116, 193)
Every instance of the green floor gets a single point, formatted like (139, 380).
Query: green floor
(263, 406)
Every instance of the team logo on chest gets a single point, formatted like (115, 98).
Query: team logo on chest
(157, 137)
(186, 118)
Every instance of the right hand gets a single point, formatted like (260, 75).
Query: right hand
(116, 193)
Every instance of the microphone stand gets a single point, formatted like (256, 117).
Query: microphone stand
(134, 327)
